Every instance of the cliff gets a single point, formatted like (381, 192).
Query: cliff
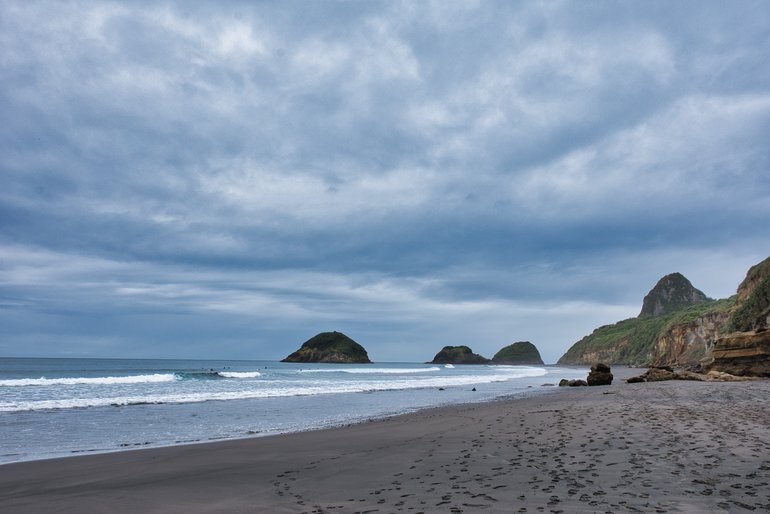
(681, 336)
(687, 343)
(756, 274)
(680, 326)
(522, 352)
(676, 325)
(753, 312)
(330, 347)
(458, 355)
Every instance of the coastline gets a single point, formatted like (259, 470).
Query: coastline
(665, 447)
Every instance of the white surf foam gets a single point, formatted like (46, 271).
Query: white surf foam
(131, 379)
(240, 374)
(309, 388)
(371, 371)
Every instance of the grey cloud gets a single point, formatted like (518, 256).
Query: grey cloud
(479, 156)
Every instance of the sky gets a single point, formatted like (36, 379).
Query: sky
(227, 179)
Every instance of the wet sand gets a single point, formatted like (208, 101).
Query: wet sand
(659, 447)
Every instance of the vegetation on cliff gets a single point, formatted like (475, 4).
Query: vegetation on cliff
(753, 313)
(679, 325)
(631, 341)
(458, 355)
(522, 352)
(330, 347)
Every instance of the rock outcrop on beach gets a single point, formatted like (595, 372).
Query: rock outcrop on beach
(330, 347)
(599, 375)
(522, 352)
(743, 354)
(745, 349)
(678, 325)
(458, 355)
(664, 373)
(577, 382)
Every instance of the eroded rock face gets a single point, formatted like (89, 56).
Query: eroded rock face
(599, 375)
(670, 293)
(742, 354)
(685, 344)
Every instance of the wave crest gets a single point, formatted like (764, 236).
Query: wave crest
(131, 379)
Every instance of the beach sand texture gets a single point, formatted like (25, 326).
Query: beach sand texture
(657, 447)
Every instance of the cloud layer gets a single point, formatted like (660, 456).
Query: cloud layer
(194, 179)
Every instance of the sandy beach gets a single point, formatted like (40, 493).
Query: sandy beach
(651, 447)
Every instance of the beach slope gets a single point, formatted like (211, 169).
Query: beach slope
(655, 447)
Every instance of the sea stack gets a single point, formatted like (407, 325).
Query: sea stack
(522, 352)
(330, 347)
(458, 355)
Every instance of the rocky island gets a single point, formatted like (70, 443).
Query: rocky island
(458, 355)
(522, 352)
(330, 347)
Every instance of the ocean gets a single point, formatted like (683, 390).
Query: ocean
(61, 407)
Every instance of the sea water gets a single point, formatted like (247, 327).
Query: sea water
(58, 407)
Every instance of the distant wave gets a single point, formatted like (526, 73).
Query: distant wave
(370, 371)
(131, 379)
(309, 389)
(449, 366)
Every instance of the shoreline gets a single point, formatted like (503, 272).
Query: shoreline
(242, 418)
(666, 447)
(543, 390)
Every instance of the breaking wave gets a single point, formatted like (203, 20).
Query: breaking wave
(131, 379)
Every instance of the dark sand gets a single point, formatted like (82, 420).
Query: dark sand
(659, 447)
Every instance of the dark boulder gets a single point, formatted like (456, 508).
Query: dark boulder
(572, 383)
(599, 375)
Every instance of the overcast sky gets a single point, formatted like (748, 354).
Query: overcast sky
(227, 179)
